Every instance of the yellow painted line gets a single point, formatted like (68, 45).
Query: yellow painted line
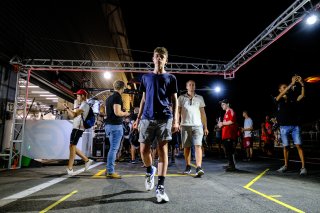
(99, 173)
(255, 179)
(142, 175)
(270, 197)
(275, 200)
(59, 201)
(191, 164)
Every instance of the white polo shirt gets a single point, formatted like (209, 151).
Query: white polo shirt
(190, 109)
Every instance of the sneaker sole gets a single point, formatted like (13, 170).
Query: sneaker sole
(162, 200)
(199, 174)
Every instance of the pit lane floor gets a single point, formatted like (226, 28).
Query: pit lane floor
(256, 186)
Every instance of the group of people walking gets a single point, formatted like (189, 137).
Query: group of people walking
(162, 113)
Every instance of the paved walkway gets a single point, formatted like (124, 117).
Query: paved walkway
(255, 187)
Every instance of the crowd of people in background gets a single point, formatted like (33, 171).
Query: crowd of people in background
(166, 126)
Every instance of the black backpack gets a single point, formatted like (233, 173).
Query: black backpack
(126, 129)
(134, 138)
(90, 119)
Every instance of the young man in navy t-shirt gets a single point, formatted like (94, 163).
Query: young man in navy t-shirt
(156, 120)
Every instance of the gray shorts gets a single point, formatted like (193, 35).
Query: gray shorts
(191, 135)
(149, 130)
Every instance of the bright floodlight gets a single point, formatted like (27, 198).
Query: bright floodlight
(107, 75)
(311, 19)
(217, 89)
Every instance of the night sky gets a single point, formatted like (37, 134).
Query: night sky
(200, 33)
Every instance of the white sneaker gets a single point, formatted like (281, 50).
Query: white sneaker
(161, 195)
(282, 169)
(69, 172)
(87, 164)
(149, 182)
(303, 171)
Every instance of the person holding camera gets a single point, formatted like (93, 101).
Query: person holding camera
(288, 118)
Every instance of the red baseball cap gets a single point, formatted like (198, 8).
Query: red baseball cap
(81, 92)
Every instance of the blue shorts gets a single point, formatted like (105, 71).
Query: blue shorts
(295, 133)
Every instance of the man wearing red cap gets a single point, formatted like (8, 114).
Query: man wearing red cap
(77, 130)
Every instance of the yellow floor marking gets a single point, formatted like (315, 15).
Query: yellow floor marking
(100, 174)
(269, 197)
(142, 175)
(59, 201)
(191, 164)
(255, 179)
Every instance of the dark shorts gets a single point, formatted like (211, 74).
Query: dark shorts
(134, 138)
(75, 136)
(126, 143)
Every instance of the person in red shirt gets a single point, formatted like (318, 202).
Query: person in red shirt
(267, 136)
(229, 133)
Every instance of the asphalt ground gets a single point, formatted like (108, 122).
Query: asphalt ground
(256, 186)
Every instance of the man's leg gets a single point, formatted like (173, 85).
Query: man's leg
(120, 150)
(115, 135)
(198, 153)
(145, 151)
(133, 153)
(81, 155)
(286, 155)
(296, 136)
(228, 144)
(162, 171)
(284, 133)
(72, 155)
(284, 168)
(172, 151)
(187, 155)
(301, 155)
(163, 159)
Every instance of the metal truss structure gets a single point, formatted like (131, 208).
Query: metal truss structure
(287, 20)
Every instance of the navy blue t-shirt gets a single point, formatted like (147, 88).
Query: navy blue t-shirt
(115, 98)
(158, 89)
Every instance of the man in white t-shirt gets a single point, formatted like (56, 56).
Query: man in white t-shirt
(78, 129)
(247, 135)
(193, 125)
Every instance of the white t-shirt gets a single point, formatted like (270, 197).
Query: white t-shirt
(248, 123)
(77, 121)
(190, 110)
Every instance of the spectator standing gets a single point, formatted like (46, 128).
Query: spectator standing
(288, 119)
(247, 135)
(229, 133)
(114, 127)
(193, 125)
